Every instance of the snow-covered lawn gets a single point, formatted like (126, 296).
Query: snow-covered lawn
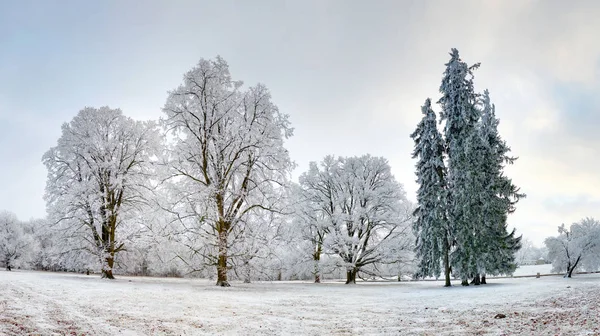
(57, 303)
(533, 269)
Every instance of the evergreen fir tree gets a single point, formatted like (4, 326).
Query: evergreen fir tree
(478, 196)
(461, 116)
(476, 203)
(430, 227)
(501, 197)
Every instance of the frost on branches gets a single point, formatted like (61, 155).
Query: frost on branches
(460, 117)
(227, 159)
(575, 248)
(314, 209)
(98, 182)
(356, 208)
(431, 224)
(15, 242)
(497, 247)
(478, 196)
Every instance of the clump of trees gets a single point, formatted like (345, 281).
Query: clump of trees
(16, 241)
(464, 196)
(576, 247)
(530, 254)
(207, 188)
(206, 191)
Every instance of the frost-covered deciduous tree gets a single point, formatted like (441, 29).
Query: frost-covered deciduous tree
(362, 208)
(99, 175)
(46, 239)
(15, 243)
(315, 209)
(529, 254)
(227, 159)
(431, 223)
(255, 252)
(579, 245)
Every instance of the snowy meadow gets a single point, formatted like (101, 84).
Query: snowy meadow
(46, 303)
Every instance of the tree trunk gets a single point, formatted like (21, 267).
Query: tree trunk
(483, 282)
(107, 270)
(465, 282)
(316, 259)
(247, 272)
(476, 280)
(571, 269)
(447, 262)
(222, 260)
(351, 276)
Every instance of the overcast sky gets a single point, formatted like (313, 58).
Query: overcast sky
(352, 75)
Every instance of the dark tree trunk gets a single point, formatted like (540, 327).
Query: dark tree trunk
(351, 276)
(465, 282)
(476, 280)
(107, 270)
(316, 259)
(571, 269)
(447, 262)
(483, 282)
(222, 260)
(247, 275)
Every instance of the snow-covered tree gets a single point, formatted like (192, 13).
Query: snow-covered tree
(360, 208)
(498, 195)
(99, 175)
(529, 253)
(227, 159)
(15, 242)
(458, 110)
(46, 239)
(579, 245)
(480, 196)
(254, 254)
(314, 209)
(431, 224)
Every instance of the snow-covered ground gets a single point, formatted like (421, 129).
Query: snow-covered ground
(58, 303)
(533, 270)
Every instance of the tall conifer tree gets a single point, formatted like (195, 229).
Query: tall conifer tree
(461, 116)
(501, 197)
(430, 226)
(463, 207)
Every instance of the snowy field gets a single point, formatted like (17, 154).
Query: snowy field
(33, 303)
(533, 270)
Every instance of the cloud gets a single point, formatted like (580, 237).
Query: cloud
(571, 204)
